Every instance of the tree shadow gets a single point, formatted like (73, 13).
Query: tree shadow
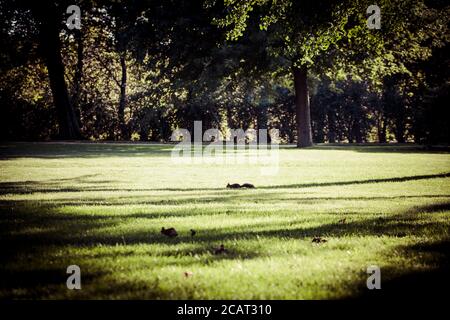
(427, 284)
(28, 227)
(38, 282)
(406, 148)
(59, 150)
(56, 185)
(356, 182)
(53, 185)
(51, 150)
(54, 227)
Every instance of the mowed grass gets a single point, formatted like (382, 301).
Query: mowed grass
(101, 207)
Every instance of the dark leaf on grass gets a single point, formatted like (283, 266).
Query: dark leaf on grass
(319, 240)
(171, 232)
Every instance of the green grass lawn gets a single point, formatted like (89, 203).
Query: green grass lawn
(101, 207)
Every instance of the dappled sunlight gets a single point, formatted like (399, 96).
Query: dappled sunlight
(111, 228)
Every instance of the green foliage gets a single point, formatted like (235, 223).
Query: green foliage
(231, 63)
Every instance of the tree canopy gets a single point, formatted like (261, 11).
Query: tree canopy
(137, 70)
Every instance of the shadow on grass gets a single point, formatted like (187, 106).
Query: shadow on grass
(428, 284)
(38, 224)
(58, 150)
(29, 228)
(55, 185)
(81, 150)
(356, 182)
(38, 282)
(406, 148)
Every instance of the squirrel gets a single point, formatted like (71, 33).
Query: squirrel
(319, 240)
(220, 250)
(238, 186)
(171, 232)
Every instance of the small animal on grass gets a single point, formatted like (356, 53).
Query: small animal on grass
(220, 250)
(188, 274)
(171, 232)
(240, 186)
(319, 240)
(233, 186)
(342, 221)
(193, 232)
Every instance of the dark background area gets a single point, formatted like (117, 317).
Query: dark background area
(136, 70)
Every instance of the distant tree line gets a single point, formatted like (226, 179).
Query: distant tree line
(137, 70)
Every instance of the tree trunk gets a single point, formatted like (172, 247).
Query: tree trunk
(50, 46)
(304, 134)
(123, 98)
(262, 114)
(78, 76)
(400, 130)
(381, 129)
(319, 128)
(331, 134)
(357, 134)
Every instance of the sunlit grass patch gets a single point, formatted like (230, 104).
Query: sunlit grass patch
(102, 207)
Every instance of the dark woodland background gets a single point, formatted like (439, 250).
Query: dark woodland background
(136, 70)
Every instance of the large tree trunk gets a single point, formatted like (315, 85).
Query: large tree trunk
(50, 46)
(304, 134)
(123, 98)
